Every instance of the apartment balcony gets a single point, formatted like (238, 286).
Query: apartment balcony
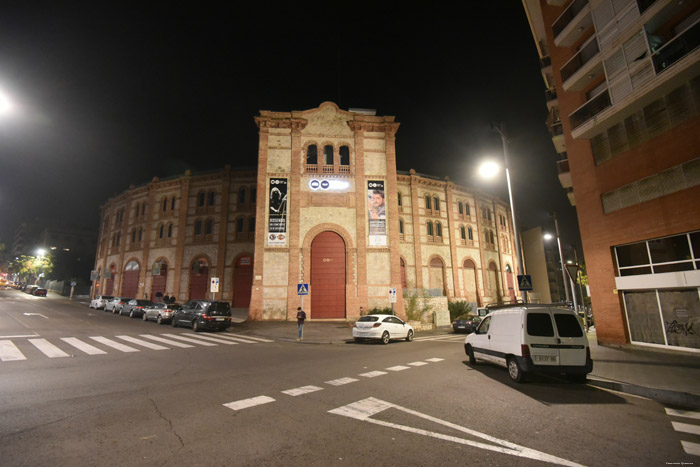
(679, 47)
(570, 195)
(564, 174)
(557, 132)
(590, 109)
(583, 67)
(550, 96)
(572, 23)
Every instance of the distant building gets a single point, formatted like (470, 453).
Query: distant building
(622, 83)
(326, 207)
(72, 249)
(543, 264)
(26, 239)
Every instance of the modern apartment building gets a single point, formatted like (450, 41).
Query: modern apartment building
(622, 81)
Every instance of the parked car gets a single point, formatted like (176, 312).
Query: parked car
(115, 305)
(160, 312)
(39, 292)
(382, 328)
(30, 288)
(466, 323)
(203, 314)
(532, 338)
(134, 307)
(100, 301)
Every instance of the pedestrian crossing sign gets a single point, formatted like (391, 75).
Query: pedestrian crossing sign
(302, 289)
(525, 282)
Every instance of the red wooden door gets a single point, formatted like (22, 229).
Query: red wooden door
(327, 276)
(511, 289)
(159, 282)
(199, 280)
(130, 284)
(242, 281)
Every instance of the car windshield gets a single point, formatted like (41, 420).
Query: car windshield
(368, 318)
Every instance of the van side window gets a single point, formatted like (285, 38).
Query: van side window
(567, 325)
(539, 324)
(484, 326)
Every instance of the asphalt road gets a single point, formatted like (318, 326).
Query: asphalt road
(253, 402)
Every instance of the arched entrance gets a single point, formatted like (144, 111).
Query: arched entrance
(242, 281)
(160, 279)
(494, 289)
(130, 281)
(471, 291)
(328, 276)
(199, 279)
(109, 281)
(509, 282)
(437, 275)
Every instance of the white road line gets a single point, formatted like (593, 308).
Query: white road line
(691, 448)
(239, 339)
(190, 340)
(84, 346)
(417, 363)
(440, 338)
(302, 390)
(114, 344)
(250, 337)
(398, 368)
(215, 339)
(686, 428)
(48, 349)
(252, 402)
(149, 345)
(373, 374)
(683, 413)
(19, 335)
(434, 360)
(341, 381)
(10, 352)
(167, 341)
(364, 409)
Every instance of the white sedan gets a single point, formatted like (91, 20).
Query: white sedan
(100, 301)
(381, 327)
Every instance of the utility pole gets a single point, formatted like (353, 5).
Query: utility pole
(561, 256)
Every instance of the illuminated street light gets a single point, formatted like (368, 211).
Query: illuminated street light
(489, 169)
(40, 252)
(5, 104)
(547, 236)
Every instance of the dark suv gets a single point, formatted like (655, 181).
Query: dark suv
(203, 314)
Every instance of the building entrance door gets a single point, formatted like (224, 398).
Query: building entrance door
(242, 281)
(199, 279)
(327, 276)
(130, 284)
(159, 280)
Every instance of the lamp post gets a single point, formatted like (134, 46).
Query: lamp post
(489, 170)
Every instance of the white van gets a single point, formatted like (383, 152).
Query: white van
(532, 338)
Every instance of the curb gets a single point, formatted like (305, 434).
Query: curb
(664, 396)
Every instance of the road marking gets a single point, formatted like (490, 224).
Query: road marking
(686, 428)
(363, 410)
(190, 340)
(691, 448)
(36, 314)
(10, 352)
(250, 337)
(398, 368)
(19, 335)
(440, 338)
(240, 339)
(167, 341)
(48, 349)
(84, 346)
(417, 363)
(113, 344)
(215, 339)
(252, 402)
(341, 381)
(302, 390)
(434, 360)
(683, 413)
(373, 374)
(142, 342)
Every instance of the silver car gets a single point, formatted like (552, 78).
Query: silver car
(160, 312)
(116, 304)
(100, 301)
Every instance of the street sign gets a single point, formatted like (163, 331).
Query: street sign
(392, 295)
(302, 289)
(572, 270)
(525, 282)
(214, 284)
(73, 284)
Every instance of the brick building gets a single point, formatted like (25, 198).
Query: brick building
(333, 212)
(623, 89)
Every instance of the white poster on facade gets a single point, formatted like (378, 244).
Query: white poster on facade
(376, 207)
(277, 212)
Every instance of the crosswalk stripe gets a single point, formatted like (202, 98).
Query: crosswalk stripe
(215, 339)
(240, 339)
(84, 346)
(434, 360)
(252, 402)
(167, 341)
(189, 339)
(398, 368)
(142, 342)
(691, 448)
(373, 374)
(686, 428)
(417, 363)
(341, 381)
(10, 352)
(114, 344)
(249, 337)
(683, 413)
(302, 390)
(48, 349)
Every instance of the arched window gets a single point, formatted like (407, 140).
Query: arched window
(312, 154)
(400, 226)
(438, 229)
(165, 204)
(462, 232)
(486, 236)
(198, 227)
(133, 236)
(460, 208)
(161, 230)
(200, 199)
(344, 155)
(208, 227)
(436, 204)
(328, 154)
(140, 234)
(429, 226)
(212, 198)
(240, 226)
(470, 233)
(170, 230)
(427, 201)
(466, 209)
(399, 199)
(172, 203)
(491, 236)
(119, 238)
(241, 196)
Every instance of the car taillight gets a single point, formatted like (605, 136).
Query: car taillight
(376, 325)
(207, 317)
(525, 350)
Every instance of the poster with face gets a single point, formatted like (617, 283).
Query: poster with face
(277, 212)
(376, 207)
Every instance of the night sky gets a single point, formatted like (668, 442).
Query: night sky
(106, 97)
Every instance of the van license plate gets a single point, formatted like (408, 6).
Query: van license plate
(220, 319)
(544, 358)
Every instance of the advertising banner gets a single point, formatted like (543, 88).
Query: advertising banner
(277, 212)
(376, 207)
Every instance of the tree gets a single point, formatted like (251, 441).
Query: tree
(26, 265)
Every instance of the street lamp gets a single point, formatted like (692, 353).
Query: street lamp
(489, 169)
(5, 104)
(549, 236)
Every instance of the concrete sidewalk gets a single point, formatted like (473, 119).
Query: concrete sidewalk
(667, 376)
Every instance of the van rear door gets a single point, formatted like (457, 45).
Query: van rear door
(572, 349)
(540, 337)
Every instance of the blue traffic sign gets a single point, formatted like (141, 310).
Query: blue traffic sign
(302, 289)
(525, 282)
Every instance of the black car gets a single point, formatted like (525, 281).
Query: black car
(203, 314)
(134, 308)
(466, 324)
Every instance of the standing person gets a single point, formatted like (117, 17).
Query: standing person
(159, 296)
(166, 299)
(301, 316)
